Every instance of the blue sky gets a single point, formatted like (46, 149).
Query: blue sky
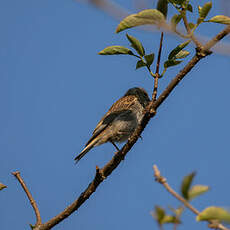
(55, 88)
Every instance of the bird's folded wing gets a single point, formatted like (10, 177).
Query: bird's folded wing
(116, 109)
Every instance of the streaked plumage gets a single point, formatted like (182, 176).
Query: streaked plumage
(120, 121)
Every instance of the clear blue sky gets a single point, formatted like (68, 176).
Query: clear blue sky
(55, 88)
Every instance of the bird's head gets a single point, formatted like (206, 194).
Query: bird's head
(140, 93)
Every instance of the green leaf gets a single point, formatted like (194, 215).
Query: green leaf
(175, 51)
(175, 20)
(2, 186)
(220, 19)
(189, 8)
(161, 217)
(170, 219)
(177, 211)
(162, 6)
(191, 25)
(203, 11)
(214, 213)
(136, 44)
(197, 190)
(170, 63)
(140, 64)
(113, 50)
(149, 59)
(145, 17)
(159, 214)
(186, 184)
(182, 54)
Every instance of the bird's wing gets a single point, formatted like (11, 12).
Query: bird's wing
(123, 104)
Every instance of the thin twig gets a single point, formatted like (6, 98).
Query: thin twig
(162, 180)
(119, 156)
(159, 54)
(190, 33)
(154, 96)
(31, 199)
(175, 226)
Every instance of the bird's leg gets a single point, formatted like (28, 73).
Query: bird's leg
(115, 146)
(123, 157)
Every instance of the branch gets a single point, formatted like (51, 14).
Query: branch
(217, 38)
(150, 112)
(199, 55)
(162, 180)
(31, 199)
(118, 12)
(190, 34)
(154, 96)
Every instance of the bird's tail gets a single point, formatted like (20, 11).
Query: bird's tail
(85, 150)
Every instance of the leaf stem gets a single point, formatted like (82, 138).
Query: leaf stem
(190, 33)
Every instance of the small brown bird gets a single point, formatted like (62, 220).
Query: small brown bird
(120, 121)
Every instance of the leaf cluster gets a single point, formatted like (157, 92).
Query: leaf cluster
(143, 58)
(190, 192)
(175, 56)
(157, 17)
(159, 214)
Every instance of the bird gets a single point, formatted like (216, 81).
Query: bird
(121, 120)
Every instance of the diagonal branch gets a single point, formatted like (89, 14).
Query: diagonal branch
(31, 199)
(150, 112)
(217, 38)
